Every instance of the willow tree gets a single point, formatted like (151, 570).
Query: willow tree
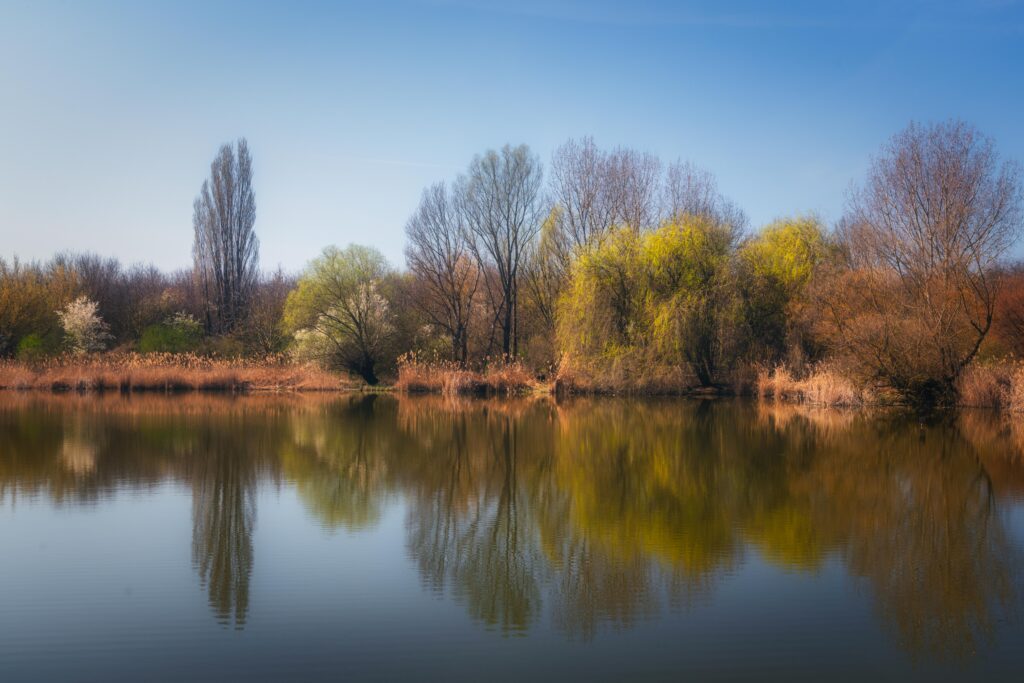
(639, 307)
(775, 269)
(226, 250)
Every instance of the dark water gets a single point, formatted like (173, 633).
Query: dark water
(359, 537)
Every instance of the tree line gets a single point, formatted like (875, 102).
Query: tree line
(611, 269)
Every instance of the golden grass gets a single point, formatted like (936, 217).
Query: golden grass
(132, 372)
(450, 379)
(998, 386)
(823, 386)
(993, 385)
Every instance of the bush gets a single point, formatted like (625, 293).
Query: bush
(35, 347)
(178, 334)
(227, 346)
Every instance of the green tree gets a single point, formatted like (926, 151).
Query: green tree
(775, 269)
(652, 302)
(690, 294)
(339, 313)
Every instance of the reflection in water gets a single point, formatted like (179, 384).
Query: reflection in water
(223, 516)
(339, 472)
(82, 450)
(468, 529)
(588, 514)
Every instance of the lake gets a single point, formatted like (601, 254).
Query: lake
(376, 537)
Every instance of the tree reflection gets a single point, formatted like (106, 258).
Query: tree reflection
(79, 449)
(914, 515)
(337, 459)
(468, 530)
(625, 507)
(223, 518)
(589, 513)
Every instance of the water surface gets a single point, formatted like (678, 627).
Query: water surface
(356, 537)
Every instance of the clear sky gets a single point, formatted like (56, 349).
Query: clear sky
(110, 113)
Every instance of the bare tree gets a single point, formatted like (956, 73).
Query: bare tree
(261, 331)
(226, 250)
(577, 185)
(924, 235)
(439, 255)
(632, 180)
(690, 190)
(149, 297)
(499, 200)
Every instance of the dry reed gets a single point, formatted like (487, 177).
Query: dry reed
(132, 372)
(823, 386)
(993, 385)
(451, 379)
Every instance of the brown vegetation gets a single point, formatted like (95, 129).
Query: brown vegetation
(922, 238)
(822, 386)
(998, 385)
(450, 379)
(131, 372)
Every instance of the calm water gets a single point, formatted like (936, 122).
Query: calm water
(368, 537)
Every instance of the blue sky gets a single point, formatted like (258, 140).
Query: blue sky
(110, 112)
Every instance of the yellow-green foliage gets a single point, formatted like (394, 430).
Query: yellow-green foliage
(774, 270)
(599, 309)
(337, 311)
(644, 304)
(685, 254)
(787, 251)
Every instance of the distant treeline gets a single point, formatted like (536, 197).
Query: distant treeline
(611, 271)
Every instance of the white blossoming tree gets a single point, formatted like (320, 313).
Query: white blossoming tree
(84, 330)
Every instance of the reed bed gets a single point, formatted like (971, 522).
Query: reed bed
(168, 373)
(822, 386)
(451, 379)
(998, 385)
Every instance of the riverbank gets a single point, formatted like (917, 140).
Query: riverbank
(449, 379)
(998, 386)
(995, 385)
(168, 373)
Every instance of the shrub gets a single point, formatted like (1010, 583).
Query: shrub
(35, 347)
(179, 334)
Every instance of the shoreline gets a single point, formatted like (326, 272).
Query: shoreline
(997, 387)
